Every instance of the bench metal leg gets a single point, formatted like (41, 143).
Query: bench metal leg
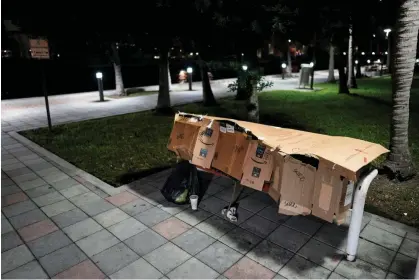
(357, 214)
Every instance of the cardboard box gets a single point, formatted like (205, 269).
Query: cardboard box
(230, 151)
(206, 143)
(258, 165)
(283, 157)
(297, 186)
(183, 136)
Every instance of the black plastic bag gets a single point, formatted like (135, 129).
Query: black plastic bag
(182, 183)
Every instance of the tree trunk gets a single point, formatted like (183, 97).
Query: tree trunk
(354, 84)
(208, 96)
(358, 70)
(343, 87)
(289, 62)
(399, 161)
(168, 75)
(253, 104)
(331, 77)
(349, 69)
(119, 82)
(163, 99)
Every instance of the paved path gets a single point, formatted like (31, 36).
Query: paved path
(28, 113)
(56, 223)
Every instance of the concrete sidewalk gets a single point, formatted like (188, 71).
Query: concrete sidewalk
(57, 223)
(29, 113)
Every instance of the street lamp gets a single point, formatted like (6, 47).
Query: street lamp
(244, 67)
(344, 53)
(189, 70)
(283, 65)
(311, 64)
(373, 53)
(363, 53)
(289, 40)
(378, 61)
(356, 61)
(387, 30)
(368, 61)
(99, 77)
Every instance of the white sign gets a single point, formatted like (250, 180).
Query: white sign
(39, 48)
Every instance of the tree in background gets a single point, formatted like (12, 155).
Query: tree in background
(119, 81)
(399, 161)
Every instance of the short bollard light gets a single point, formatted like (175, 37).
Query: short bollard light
(244, 67)
(99, 77)
(283, 65)
(189, 70)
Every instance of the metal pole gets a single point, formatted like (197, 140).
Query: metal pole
(100, 86)
(190, 80)
(314, 61)
(357, 214)
(44, 89)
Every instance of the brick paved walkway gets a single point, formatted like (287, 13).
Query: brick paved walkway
(56, 224)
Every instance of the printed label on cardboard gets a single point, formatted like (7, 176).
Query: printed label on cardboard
(230, 128)
(256, 172)
(260, 151)
(223, 129)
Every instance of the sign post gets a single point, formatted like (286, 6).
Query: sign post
(40, 50)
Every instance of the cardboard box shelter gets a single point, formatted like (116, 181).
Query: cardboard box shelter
(308, 173)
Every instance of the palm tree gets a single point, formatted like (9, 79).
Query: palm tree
(207, 94)
(331, 77)
(163, 99)
(399, 161)
(343, 85)
(350, 69)
(119, 82)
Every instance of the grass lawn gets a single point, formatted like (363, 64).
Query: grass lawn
(123, 148)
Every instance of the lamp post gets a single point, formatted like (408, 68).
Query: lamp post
(189, 70)
(387, 31)
(283, 65)
(312, 74)
(99, 77)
